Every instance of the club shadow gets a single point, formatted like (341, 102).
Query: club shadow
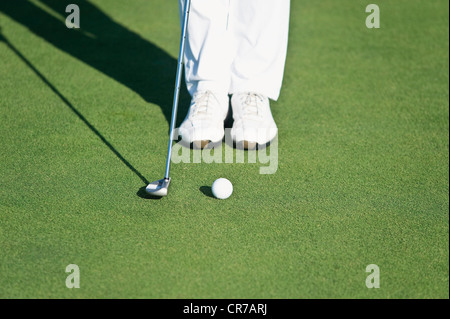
(74, 110)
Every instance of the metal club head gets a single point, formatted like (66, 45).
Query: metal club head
(158, 188)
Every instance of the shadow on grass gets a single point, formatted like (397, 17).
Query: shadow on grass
(106, 46)
(74, 110)
(207, 191)
(143, 194)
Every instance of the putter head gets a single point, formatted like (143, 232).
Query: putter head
(158, 188)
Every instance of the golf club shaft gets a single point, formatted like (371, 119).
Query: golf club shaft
(176, 97)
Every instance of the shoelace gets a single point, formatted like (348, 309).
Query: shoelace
(201, 104)
(251, 103)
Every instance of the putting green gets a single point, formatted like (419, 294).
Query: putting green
(362, 175)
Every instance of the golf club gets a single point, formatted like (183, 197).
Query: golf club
(160, 187)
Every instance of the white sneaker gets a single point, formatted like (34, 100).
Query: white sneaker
(204, 122)
(253, 120)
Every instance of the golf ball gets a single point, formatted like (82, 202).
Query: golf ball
(222, 188)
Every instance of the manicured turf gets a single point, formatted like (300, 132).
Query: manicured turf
(363, 164)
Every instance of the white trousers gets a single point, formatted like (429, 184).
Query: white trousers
(236, 46)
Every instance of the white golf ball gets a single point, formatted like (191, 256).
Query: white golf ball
(222, 188)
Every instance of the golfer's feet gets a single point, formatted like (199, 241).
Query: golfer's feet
(253, 121)
(204, 121)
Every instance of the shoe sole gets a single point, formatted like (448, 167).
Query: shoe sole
(247, 145)
(244, 145)
(199, 145)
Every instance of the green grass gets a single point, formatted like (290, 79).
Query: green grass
(363, 175)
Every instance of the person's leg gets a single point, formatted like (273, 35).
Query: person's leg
(260, 29)
(209, 52)
(208, 58)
